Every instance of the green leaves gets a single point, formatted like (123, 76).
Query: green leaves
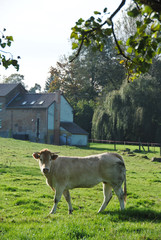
(140, 48)
(6, 58)
(134, 12)
(74, 45)
(97, 13)
(155, 27)
(90, 32)
(143, 46)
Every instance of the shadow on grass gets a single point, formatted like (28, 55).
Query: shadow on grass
(99, 149)
(135, 215)
(110, 148)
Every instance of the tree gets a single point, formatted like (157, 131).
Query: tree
(141, 47)
(83, 114)
(101, 68)
(63, 78)
(54, 81)
(36, 88)
(91, 74)
(15, 78)
(6, 58)
(131, 113)
(87, 78)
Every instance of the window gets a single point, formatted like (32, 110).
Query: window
(0, 123)
(23, 103)
(41, 102)
(32, 103)
(0, 106)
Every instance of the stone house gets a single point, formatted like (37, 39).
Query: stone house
(38, 117)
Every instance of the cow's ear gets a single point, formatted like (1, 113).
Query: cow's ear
(36, 155)
(53, 156)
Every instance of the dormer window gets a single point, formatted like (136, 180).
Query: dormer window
(24, 103)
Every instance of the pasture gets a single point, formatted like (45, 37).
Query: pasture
(25, 199)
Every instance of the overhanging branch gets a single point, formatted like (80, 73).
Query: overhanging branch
(89, 32)
(118, 9)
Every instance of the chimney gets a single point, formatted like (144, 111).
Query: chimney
(57, 117)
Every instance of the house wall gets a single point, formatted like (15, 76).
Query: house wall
(27, 122)
(67, 138)
(66, 115)
(51, 117)
(79, 140)
(66, 111)
(50, 136)
(4, 119)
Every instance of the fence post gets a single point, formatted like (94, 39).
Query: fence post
(139, 146)
(148, 147)
(114, 145)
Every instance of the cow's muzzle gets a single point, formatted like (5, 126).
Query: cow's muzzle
(45, 170)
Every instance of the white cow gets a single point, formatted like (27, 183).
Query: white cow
(64, 173)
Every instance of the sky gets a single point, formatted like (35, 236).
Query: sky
(41, 30)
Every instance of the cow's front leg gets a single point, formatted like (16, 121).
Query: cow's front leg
(66, 194)
(58, 194)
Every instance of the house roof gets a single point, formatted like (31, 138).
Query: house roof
(5, 88)
(33, 100)
(73, 128)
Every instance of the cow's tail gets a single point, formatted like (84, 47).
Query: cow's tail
(125, 190)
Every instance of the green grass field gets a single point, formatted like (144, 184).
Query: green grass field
(25, 199)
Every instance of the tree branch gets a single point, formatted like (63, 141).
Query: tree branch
(113, 32)
(118, 9)
(97, 28)
(117, 44)
(6, 53)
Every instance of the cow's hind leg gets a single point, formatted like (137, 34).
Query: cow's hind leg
(66, 194)
(120, 194)
(107, 191)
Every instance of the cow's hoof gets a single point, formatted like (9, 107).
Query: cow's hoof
(48, 216)
(70, 211)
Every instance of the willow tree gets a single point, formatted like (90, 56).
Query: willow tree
(131, 113)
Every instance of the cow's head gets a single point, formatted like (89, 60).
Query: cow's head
(45, 157)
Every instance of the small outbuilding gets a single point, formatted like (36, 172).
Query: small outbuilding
(72, 134)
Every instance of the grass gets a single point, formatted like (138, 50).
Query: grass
(25, 199)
